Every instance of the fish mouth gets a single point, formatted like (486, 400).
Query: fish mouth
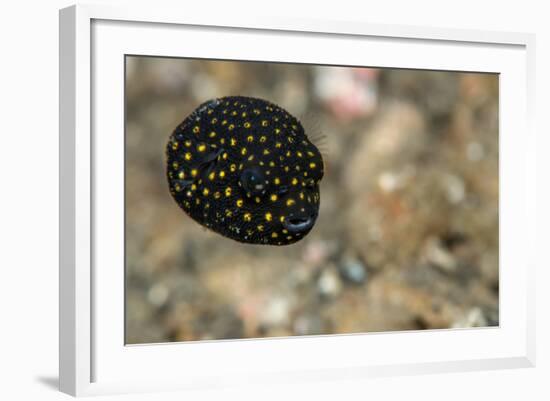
(299, 223)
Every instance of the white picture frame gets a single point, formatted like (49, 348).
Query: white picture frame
(93, 357)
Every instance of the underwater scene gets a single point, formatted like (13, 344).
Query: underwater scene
(274, 199)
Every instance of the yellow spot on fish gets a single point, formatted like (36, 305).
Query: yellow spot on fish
(282, 218)
(217, 195)
(247, 216)
(193, 187)
(188, 156)
(250, 138)
(263, 139)
(188, 143)
(212, 134)
(224, 156)
(294, 181)
(228, 191)
(175, 145)
(257, 199)
(239, 202)
(266, 151)
(212, 175)
(243, 151)
(290, 202)
(251, 157)
(181, 175)
(260, 227)
(278, 144)
(222, 140)
(264, 123)
(233, 141)
(205, 191)
(312, 165)
(299, 154)
(273, 197)
(246, 125)
(274, 235)
(231, 127)
(222, 174)
(196, 129)
(228, 213)
(277, 181)
(214, 120)
(301, 195)
(194, 172)
(268, 216)
(201, 147)
(232, 168)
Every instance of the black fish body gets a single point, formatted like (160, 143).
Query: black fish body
(244, 168)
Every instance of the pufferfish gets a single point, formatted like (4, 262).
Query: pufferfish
(244, 168)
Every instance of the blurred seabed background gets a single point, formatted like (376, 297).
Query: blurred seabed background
(407, 236)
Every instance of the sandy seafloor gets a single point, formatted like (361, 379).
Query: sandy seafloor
(407, 236)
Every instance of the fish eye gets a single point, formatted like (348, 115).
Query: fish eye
(253, 181)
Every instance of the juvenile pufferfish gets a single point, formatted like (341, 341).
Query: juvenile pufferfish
(244, 168)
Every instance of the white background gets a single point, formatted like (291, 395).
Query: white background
(28, 209)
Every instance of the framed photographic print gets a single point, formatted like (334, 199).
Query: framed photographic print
(288, 200)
